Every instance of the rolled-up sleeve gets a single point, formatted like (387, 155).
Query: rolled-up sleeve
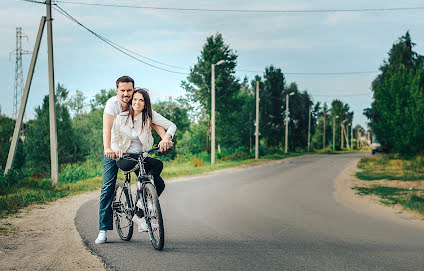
(169, 126)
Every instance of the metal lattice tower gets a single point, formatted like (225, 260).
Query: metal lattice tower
(19, 77)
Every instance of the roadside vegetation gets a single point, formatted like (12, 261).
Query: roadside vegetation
(397, 121)
(404, 178)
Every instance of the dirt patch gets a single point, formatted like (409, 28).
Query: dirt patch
(44, 237)
(370, 204)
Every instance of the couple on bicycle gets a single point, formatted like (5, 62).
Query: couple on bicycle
(127, 121)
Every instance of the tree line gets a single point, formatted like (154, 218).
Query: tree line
(79, 123)
(397, 112)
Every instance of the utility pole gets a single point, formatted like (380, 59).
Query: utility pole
(351, 136)
(357, 140)
(213, 110)
(54, 161)
(19, 75)
(309, 128)
(334, 132)
(287, 121)
(257, 119)
(18, 124)
(52, 107)
(323, 133)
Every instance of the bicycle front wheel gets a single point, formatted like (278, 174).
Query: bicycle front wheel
(153, 215)
(122, 212)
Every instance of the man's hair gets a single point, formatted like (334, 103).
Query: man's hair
(124, 79)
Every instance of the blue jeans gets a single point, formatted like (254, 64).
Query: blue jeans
(110, 172)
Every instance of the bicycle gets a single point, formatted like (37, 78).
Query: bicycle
(124, 207)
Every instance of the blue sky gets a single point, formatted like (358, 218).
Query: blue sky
(295, 42)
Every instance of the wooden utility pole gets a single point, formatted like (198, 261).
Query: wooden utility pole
(18, 124)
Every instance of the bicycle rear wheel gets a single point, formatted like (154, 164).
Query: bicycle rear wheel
(153, 215)
(122, 212)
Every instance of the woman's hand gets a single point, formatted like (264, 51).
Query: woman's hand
(165, 144)
(109, 153)
(119, 153)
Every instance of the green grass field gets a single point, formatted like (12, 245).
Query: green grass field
(393, 168)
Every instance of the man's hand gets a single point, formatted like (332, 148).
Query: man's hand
(109, 153)
(119, 153)
(165, 144)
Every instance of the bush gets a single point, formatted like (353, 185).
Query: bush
(13, 178)
(80, 171)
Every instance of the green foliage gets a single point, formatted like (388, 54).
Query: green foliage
(391, 168)
(89, 127)
(7, 125)
(227, 87)
(410, 199)
(37, 141)
(397, 112)
(176, 111)
(81, 171)
(195, 140)
(13, 178)
(101, 98)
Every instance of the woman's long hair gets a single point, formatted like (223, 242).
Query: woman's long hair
(147, 113)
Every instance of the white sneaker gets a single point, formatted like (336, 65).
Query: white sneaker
(139, 204)
(101, 238)
(141, 222)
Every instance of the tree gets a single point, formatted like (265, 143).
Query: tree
(7, 125)
(227, 87)
(176, 111)
(271, 123)
(76, 103)
(37, 141)
(341, 111)
(101, 98)
(299, 105)
(397, 112)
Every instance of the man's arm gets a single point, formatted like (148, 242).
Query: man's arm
(107, 127)
(166, 142)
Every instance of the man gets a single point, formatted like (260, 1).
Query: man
(113, 107)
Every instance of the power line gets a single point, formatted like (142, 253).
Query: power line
(317, 73)
(114, 45)
(122, 48)
(246, 10)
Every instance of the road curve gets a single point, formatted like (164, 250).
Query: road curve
(281, 216)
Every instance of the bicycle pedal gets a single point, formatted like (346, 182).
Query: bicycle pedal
(116, 205)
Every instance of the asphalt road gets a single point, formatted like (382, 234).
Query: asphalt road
(281, 216)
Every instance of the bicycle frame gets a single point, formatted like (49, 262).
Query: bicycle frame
(142, 179)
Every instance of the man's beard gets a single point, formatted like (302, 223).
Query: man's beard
(128, 102)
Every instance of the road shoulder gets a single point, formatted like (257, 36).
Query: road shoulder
(44, 237)
(369, 205)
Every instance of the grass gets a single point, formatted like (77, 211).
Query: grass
(391, 168)
(409, 199)
(41, 191)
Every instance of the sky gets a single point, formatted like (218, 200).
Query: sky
(301, 42)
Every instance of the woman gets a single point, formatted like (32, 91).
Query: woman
(132, 133)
